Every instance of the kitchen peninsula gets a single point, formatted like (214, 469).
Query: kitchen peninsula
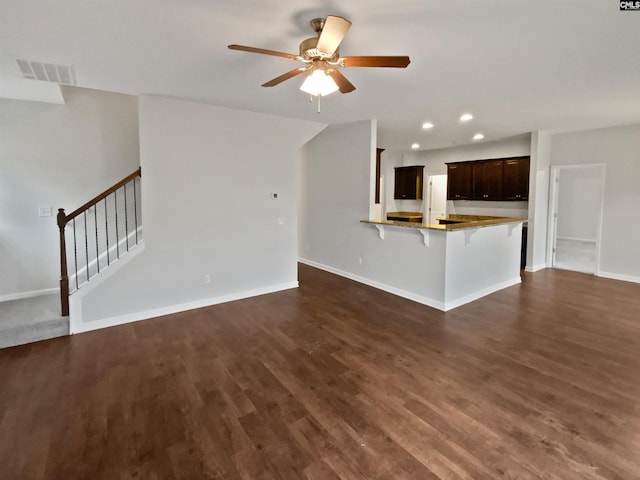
(464, 258)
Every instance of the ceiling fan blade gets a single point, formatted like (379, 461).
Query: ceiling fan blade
(334, 30)
(263, 51)
(344, 85)
(284, 76)
(375, 61)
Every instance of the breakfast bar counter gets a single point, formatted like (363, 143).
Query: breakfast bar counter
(452, 222)
(445, 265)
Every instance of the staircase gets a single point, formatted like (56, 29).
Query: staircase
(31, 319)
(92, 238)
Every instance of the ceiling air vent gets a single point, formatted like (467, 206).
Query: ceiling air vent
(48, 72)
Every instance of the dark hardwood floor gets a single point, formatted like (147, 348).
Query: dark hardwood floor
(339, 380)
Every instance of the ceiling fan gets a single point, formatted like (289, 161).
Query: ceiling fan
(322, 59)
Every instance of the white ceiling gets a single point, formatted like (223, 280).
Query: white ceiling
(516, 65)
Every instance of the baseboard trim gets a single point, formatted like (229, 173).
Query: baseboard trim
(79, 327)
(481, 293)
(32, 293)
(535, 268)
(617, 276)
(429, 302)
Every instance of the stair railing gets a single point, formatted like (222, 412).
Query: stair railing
(101, 231)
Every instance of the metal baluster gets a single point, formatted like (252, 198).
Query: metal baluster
(115, 202)
(106, 228)
(95, 223)
(135, 207)
(126, 216)
(75, 251)
(86, 244)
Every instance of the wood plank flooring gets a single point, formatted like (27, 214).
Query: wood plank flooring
(336, 380)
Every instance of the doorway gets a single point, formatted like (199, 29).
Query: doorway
(436, 198)
(576, 217)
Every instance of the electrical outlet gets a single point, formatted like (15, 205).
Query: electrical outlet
(274, 195)
(280, 220)
(207, 278)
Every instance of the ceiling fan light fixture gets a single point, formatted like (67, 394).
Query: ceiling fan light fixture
(319, 84)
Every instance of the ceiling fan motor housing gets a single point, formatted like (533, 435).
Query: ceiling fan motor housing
(309, 52)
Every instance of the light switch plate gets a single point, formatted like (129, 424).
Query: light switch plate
(44, 211)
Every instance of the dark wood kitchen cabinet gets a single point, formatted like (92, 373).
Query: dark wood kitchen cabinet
(459, 181)
(487, 180)
(495, 179)
(516, 179)
(408, 183)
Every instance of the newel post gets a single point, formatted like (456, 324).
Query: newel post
(64, 275)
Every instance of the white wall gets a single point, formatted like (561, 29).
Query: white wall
(208, 175)
(579, 203)
(538, 201)
(337, 164)
(619, 149)
(435, 163)
(481, 261)
(388, 161)
(57, 156)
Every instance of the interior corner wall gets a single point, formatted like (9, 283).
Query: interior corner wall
(208, 177)
(57, 156)
(619, 150)
(337, 190)
(337, 167)
(538, 201)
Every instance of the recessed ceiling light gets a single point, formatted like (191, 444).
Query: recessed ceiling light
(478, 136)
(415, 146)
(466, 117)
(427, 125)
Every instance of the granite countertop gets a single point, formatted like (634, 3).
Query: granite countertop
(466, 221)
(405, 214)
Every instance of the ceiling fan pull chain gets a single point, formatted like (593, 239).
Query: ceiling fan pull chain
(319, 104)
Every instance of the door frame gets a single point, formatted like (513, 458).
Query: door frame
(552, 224)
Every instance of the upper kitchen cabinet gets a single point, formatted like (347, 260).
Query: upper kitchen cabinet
(408, 183)
(487, 180)
(459, 181)
(496, 179)
(516, 179)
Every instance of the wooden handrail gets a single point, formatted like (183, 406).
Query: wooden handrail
(103, 195)
(63, 219)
